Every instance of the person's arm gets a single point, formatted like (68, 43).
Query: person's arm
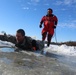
(41, 22)
(26, 46)
(56, 21)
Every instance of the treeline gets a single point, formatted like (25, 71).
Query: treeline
(68, 43)
(11, 38)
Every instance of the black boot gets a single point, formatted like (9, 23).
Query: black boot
(48, 44)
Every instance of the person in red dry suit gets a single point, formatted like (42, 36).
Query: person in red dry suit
(50, 22)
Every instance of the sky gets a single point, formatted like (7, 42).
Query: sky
(26, 14)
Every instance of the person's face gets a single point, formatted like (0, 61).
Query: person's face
(49, 12)
(19, 37)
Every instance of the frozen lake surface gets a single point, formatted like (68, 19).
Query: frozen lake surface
(56, 60)
(29, 63)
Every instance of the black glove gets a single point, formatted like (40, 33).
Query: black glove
(54, 27)
(40, 26)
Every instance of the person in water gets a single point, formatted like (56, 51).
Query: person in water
(27, 43)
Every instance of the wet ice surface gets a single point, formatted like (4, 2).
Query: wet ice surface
(7, 49)
(29, 63)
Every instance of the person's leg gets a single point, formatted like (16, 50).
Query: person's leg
(49, 36)
(49, 39)
(44, 36)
